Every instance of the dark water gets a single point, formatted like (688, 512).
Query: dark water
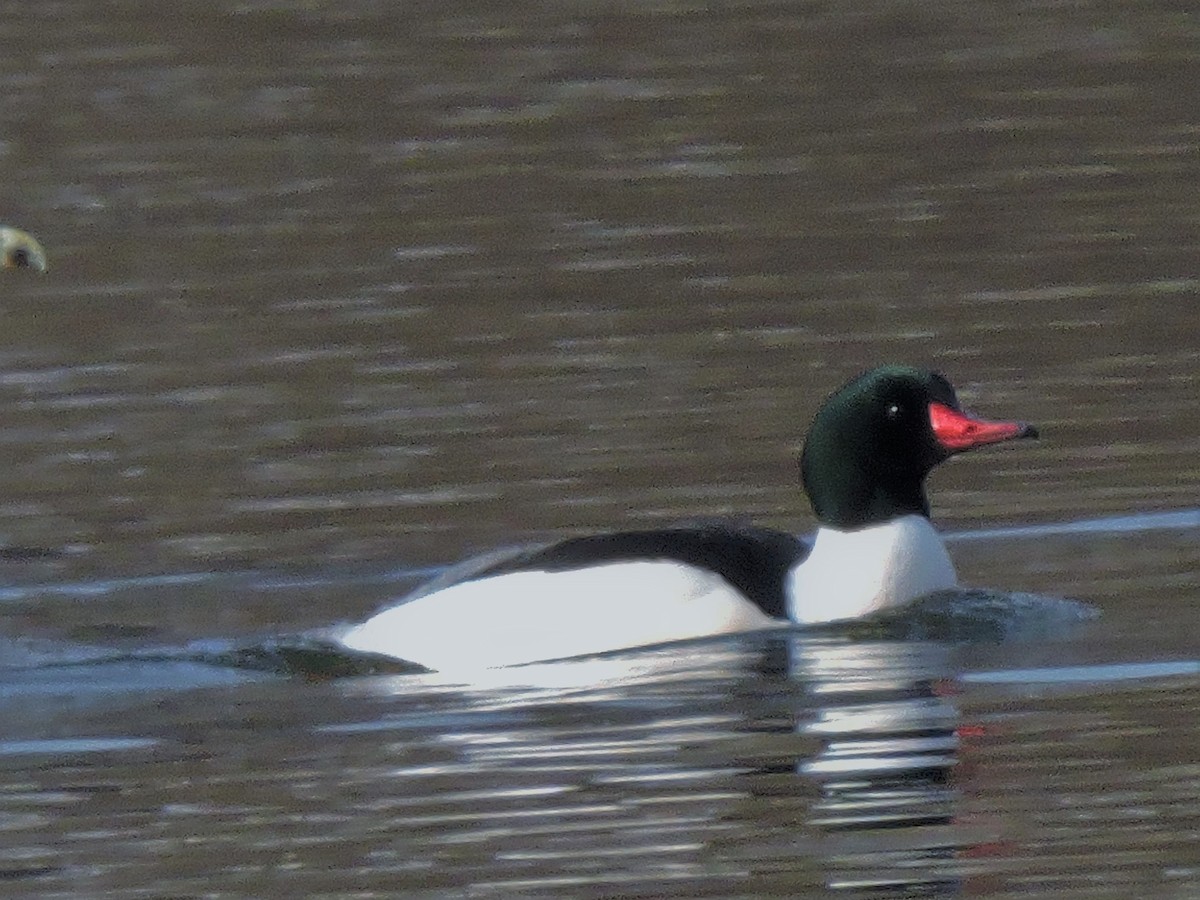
(341, 292)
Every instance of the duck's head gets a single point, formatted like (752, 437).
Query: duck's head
(872, 443)
(20, 250)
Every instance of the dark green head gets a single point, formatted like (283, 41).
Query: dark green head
(872, 444)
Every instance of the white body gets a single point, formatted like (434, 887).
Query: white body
(524, 617)
(853, 573)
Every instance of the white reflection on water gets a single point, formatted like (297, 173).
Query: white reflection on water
(680, 662)
(1098, 674)
(1165, 521)
(73, 745)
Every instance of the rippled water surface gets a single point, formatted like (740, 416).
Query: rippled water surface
(341, 293)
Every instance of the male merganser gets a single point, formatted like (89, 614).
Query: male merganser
(864, 464)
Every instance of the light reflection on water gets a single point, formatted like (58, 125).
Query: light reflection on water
(1088, 674)
(791, 763)
(69, 746)
(1175, 520)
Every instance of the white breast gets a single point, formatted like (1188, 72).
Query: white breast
(529, 616)
(853, 573)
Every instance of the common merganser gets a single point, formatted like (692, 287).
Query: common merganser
(864, 463)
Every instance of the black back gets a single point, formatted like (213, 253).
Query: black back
(754, 560)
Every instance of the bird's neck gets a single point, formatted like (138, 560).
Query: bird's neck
(853, 572)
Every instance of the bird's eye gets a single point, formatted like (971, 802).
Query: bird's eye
(894, 411)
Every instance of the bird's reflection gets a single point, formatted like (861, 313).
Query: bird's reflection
(884, 726)
(821, 760)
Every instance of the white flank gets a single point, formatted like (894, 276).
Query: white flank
(531, 616)
(853, 573)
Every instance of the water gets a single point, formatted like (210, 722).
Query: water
(340, 294)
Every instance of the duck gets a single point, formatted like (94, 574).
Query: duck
(863, 466)
(21, 250)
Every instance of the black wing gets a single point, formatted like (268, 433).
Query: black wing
(754, 560)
